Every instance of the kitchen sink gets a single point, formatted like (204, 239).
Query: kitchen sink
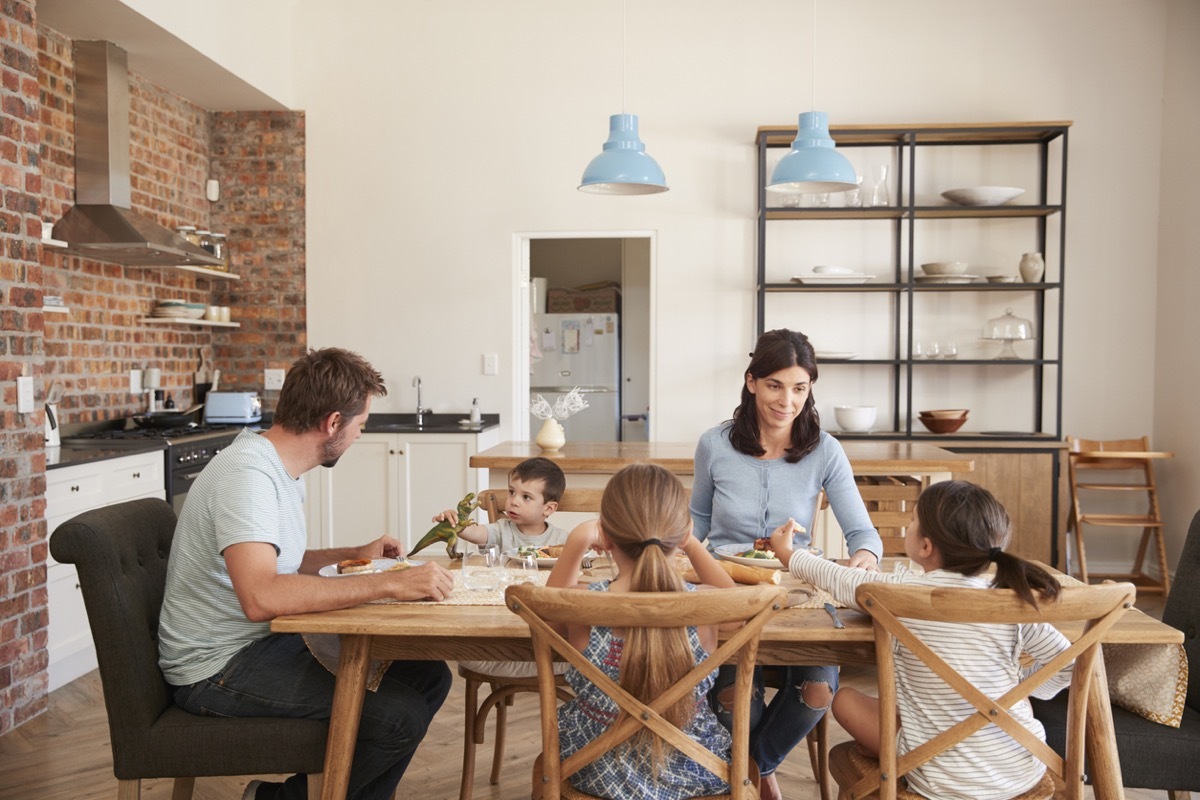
(431, 423)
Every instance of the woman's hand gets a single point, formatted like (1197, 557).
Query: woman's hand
(864, 559)
(781, 540)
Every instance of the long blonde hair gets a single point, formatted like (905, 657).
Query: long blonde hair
(644, 513)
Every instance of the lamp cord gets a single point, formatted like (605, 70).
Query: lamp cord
(623, 58)
(813, 52)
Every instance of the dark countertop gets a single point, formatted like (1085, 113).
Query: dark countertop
(71, 456)
(432, 423)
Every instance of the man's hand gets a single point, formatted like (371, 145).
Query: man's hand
(864, 559)
(383, 547)
(426, 582)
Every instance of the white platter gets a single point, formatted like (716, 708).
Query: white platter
(377, 565)
(541, 562)
(945, 278)
(845, 280)
(831, 354)
(827, 270)
(729, 552)
(983, 195)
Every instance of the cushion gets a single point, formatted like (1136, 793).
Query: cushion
(1149, 680)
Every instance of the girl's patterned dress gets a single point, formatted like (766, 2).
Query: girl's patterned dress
(592, 712)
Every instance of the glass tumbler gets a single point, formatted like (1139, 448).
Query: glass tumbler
(879, 186)
(479, 567)
(520, 568)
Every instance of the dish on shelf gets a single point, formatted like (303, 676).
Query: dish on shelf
(945, 278)
(178, 310)
(817, 280)
(939, 425)
(1002, 278)
(834, 354)
(983, 195)
(944, 267)
(824, 270)
(944, 413)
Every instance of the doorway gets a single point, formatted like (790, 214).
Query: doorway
(622, 260)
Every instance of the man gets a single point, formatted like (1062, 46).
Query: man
(239, 559)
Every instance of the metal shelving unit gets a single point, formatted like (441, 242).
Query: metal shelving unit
(907, 145)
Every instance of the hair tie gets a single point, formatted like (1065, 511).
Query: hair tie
(644, 544)
(994, 553)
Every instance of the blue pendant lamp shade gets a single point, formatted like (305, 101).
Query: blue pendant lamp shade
(813, 165)
(623, 167)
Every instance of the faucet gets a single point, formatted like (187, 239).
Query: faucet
(420, 409)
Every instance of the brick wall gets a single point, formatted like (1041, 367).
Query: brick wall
(22, 458)
(175, 147)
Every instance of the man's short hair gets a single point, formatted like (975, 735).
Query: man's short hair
(323, 381)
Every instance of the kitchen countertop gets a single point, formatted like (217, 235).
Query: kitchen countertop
(69, 456)
(432, 423)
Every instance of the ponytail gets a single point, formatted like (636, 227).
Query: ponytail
(1024, 577)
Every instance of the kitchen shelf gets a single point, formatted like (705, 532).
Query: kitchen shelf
(921, 157)
(211, 273)
(184, 321)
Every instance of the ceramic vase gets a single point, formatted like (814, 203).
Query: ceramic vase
(551, 436)
(1032, 267)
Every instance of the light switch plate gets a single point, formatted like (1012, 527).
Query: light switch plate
(491, 364)
(24, 394)
(135, 381)
(273, 379)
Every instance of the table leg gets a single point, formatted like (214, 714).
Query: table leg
(348, 694)
(1101, 744)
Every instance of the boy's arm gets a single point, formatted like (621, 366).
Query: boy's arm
(475, 534)
(705, 565)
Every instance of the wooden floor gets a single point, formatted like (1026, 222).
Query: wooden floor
(64, 755)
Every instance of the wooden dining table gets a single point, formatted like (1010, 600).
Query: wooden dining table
(491, 632)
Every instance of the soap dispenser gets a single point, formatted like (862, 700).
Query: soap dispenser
(476, 417)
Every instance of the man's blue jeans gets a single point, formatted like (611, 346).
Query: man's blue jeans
(776, 727)
(278, 677)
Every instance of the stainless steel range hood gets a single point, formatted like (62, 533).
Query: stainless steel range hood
(101, 225)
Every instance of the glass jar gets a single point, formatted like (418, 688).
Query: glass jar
(220, 249)
(205, 240)
(189, 232)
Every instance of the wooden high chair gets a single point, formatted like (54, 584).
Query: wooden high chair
(540, 606)
(504, 688)
(891, 501)
(1091, 466)
(894, 607)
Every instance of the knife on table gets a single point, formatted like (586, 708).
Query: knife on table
(837, 621)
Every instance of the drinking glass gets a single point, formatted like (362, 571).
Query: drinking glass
(520, 568)
(879, 186)
(933, 350)
(479, 567)
(949, 350)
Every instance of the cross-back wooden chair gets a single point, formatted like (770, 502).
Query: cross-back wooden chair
(541, 606)
(891, 606)
(504, 688)
(1103, 474)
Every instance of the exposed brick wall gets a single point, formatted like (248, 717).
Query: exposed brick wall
(259, 159)
(23, 615)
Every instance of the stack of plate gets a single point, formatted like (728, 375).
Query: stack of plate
(833, 278)
(178, 309)
(964, 278)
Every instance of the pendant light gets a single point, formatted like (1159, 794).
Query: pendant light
(813, 166)
(623, 166)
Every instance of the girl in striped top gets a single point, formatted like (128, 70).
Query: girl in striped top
(959, 532)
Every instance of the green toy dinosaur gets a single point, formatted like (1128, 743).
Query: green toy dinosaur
(445, 532)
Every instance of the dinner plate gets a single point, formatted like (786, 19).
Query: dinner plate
(945, 278)
(729, 552)
(831, 354)
(541, 562)
(831, 280)
(377, 565)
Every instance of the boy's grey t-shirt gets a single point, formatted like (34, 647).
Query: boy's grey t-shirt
(507, 535)
(244, 495)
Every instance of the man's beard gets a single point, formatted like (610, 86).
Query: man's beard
(332, 450)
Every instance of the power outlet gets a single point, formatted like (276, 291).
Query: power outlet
(273, 379)
(135, 381)
(24, 394)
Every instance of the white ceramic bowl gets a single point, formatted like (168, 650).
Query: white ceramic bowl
(944, 268)
(823, 270)
(983, 195)
(854, 419)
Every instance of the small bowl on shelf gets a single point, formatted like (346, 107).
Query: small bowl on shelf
(944, 268)
(983, 195)
(942, 424)
(854, 419)
(945, 413)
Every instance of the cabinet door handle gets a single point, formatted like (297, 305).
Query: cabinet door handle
(74, 488)
(137, 474)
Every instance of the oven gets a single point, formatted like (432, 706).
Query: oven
(188, 450)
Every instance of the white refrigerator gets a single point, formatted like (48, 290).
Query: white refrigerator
(581, 350)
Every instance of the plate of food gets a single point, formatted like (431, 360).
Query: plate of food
(546, 555)
(366, 566)
(754, 554)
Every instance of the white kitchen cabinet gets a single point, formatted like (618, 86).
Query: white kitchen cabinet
(395, 483)
(71, 491)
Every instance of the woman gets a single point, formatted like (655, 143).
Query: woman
(762, 471)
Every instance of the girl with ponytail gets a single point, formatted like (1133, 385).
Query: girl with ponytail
(957, 539)
(644, 522)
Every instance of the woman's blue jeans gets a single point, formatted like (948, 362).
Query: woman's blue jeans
(778, 726)
(278, 677)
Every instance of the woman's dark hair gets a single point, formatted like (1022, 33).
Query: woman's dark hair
(776, 350)
(323, 381)
(970, 528)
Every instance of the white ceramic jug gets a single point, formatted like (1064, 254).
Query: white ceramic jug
(1032, 267)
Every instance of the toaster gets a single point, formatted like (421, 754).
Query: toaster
(236, 407)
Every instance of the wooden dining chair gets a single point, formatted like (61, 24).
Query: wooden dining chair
(892, 607)
(503, 689)
(891, 501)
(542, 606)
(1113, 486)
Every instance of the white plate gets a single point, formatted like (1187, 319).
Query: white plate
(377, 565)
(541, 562)
(833, 279)
(983, 195)
(729, 552)
(945, 278)
(825, 270)
(1002, 278)
(466, 423)
(828, 354)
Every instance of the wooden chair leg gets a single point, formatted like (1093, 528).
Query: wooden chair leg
(129, 789)
(316, 781)
(183, 788)
(818, 754)
(467, 784)
(1162, 561)
(501, 728)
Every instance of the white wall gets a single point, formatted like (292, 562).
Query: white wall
(443, 129)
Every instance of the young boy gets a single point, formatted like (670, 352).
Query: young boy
(534, 488)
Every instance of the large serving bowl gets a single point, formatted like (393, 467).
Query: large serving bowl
(944, 268)
(942, 425)
(983, 195)
(854, 419)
